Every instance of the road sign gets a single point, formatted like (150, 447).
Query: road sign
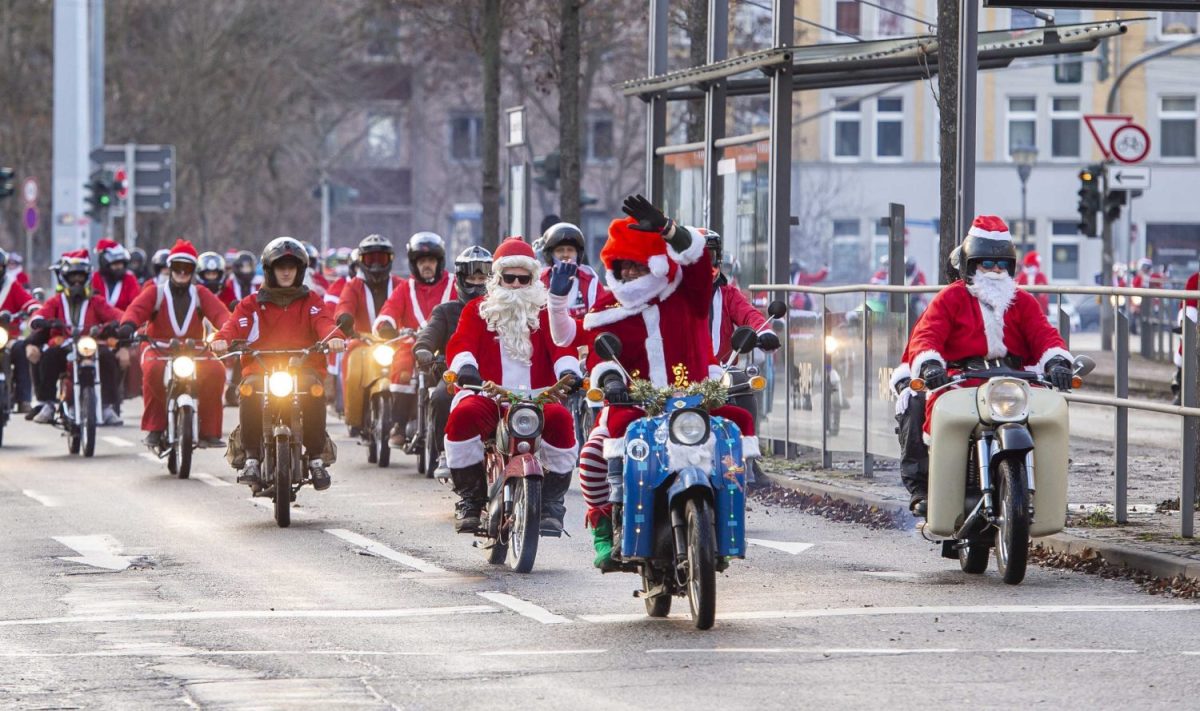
(29, 191)
(31, 217)
(1102, 128)
(1128, 178)
(1130, 143)
(152, 174)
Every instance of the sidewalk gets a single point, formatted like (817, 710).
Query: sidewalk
(1148, 543)
(1147, 378)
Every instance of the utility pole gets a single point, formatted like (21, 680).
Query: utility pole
(324, 214)
(96, 66)
(947, 78)
(72, 127)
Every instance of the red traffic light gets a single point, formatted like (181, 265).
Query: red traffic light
(121, 184)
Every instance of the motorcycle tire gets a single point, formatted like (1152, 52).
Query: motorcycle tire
(429, 453)
(368, 430)
(1012, 533)
(701, 563)
(973, 557)
(283, 482)
(182, 451)
(659, 606)
(87, 403)
(526, 526)
(381, 424)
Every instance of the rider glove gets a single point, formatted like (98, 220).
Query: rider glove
(469, 375)
(649, 218)
(560, 278)
(423, 356)
(126, 331)
(934, 375)
(1059, 372)
(615, 390)
(387, 331)
(768, 341)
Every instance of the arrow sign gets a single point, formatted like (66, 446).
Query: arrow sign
(1126, 178)
(785, 546)
(97, 551)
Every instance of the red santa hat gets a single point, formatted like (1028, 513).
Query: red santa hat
(182, 251)
(627, 244)
(1033, 260)
(989, 227)
(111, 251)
(515, 252)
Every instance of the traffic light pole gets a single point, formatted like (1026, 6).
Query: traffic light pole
(1106, 266)
(324, 214)
(130, 196)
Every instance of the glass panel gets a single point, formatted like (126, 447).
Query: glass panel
(888, 337)
(846, 138)
(849, 17)
(1064, 138)
(891, 24)
(1022, 133)
(1179, 23)
(845, 375)
(1065, 264)
(1020, 19)
(891, 103)
(683, 187)
(1179, 103)
(889, 140)
(805, 336)
(744, 195)
(1066, 103)
(1022, 103)
(1178, 138)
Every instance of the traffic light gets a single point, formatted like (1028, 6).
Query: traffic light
(1089, 199)
(100, 197)
(547, 170)
(6, 182)
(1112, 205)
(121, 184)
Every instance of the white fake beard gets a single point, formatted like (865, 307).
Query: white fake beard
(512, 314)
(997, 290)
(634, 293)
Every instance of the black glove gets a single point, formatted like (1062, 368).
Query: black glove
(423, 356)
(126, 331)
(387, 331)
(768, 341)
(560, 278)
(108, 330)
(934, 375)
(5, 318)
(576, 384)
(469, 375)
(615, 390)
(1060, 374)
(649, 218)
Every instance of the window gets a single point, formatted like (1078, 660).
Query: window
(1022, 122)
(889, 23)
(1177, 25)
(465, 137)
(1020, 19)
(847, 125)
(845, 228)
(1014, 228)
(1064, 127)
(381, 136)
(1064, 251)
(849, 18)
(1177, 127)
(889, 128)
(599, 146)
(1068, 68)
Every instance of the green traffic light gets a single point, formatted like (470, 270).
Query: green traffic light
(104, 200)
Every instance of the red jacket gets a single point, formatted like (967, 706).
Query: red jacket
(730, 309)
(232, 293)
(121, 295)
(267, 326)
(357, 301)
(158, 313)
(16, 301)
(473, 344)
(411, 305)
(585, 290)
(94, 311)
(1038, 278)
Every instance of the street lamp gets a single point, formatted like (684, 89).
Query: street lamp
(1024, 157)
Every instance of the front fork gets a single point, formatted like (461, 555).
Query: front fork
(983, 453)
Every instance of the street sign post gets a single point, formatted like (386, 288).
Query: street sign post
(1129, 178)
(29, 191)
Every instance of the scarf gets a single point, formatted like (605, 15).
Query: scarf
(281, 296)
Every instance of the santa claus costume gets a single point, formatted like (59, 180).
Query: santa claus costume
(1032, 274)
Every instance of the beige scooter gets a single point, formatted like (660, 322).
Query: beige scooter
(997, 465)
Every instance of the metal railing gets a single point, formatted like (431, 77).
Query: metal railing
(888, 320)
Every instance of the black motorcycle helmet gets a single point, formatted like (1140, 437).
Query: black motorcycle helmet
(210, 271)
(988, 238)
(75, 274)
(283, 248)
(468, 262)
(563, 233)
(3, 265)
(137, 262)
(244, 264)
(426, 244)
(375, 256)
(110, 256)
(158, 263)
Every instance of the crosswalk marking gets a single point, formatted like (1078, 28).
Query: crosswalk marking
(377, 548)
(524, 607)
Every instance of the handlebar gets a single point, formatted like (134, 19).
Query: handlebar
(918, 384)
(556, 393)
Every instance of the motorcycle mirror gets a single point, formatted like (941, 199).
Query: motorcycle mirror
(744, 339)
(345, 322)
(776, 309)
(1084, 365)
(608, 346)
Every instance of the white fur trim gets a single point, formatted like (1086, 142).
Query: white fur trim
(1052, 353)
(656, 357)
(993, 329)
(750, 448)
(717, 314)
(519, 262)
(598, 373)
(1191, 313)
(464, 358)
(903, 400)
(557, 460)
(407, 388)
(514, 373)
(924, 357)
(977, 232)
(381, 319)
(567, 364)
(899, 373)
(614, 447)
(715, 372)
(693, 252)
(562, 325)
(464, 454)
(659, 265)
(700, 455)
(596, 319)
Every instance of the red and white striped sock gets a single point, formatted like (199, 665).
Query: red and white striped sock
(593, 476)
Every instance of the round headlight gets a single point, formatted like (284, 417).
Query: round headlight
(831, 344)
(689, 427)
(280, 383)
(183, 367)
(87, 346)
(1007, 399)
(3, 336)
(524, 422)
(383, 354)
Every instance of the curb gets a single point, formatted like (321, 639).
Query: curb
(1160, 565)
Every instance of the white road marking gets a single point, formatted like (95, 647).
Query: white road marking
(266, 503)
(785, 546)
(377, 548)
(892, 574)
(210, 479)
(116, 441)
(539, 652)
(256, 615)
(1037, 650)
(150, 457)
(41, 498)
(886, 611)
(523, 607)
(804, 650)
(97, 551)
(178, 652)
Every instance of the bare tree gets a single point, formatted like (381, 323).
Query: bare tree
(569, 106)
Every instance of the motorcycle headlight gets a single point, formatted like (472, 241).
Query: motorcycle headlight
(831, 344)
(3, 336)
(1007, 399)
(183, 367)
(280, 383)
(689, 426)
(383, 354)
(524, 422)
(87, 346)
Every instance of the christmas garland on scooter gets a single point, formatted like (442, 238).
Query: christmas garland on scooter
(653, 400)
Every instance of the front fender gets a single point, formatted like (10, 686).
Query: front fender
(1012, 438)
(185, 400)
(523, 465)
(689, 479)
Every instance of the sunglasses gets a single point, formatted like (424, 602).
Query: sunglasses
(183, 268)
(377, 259)
(996, 263)
(522, 279)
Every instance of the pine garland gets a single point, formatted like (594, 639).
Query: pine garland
(713, 394)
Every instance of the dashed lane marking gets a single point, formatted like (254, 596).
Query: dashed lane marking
(100, 551)
(785, 546)
(116, 441)
(41, 498)
(210, 479)
(886, 651)
(256, 615)
(377, 548)
(160, 652)
(524, 607)
(887, 611)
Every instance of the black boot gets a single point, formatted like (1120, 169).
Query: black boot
(554, 508)
(470, 483)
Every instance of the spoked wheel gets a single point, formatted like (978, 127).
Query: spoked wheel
(701, 563)
(1012, 530)
(87, 403)
(381, 429)
(973, 556)
(659, 606)
(182, 450)
(527, 524)
(283, 482)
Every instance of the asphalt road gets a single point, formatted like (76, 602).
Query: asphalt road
(370, 600)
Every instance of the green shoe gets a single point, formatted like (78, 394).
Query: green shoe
(602, 535)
